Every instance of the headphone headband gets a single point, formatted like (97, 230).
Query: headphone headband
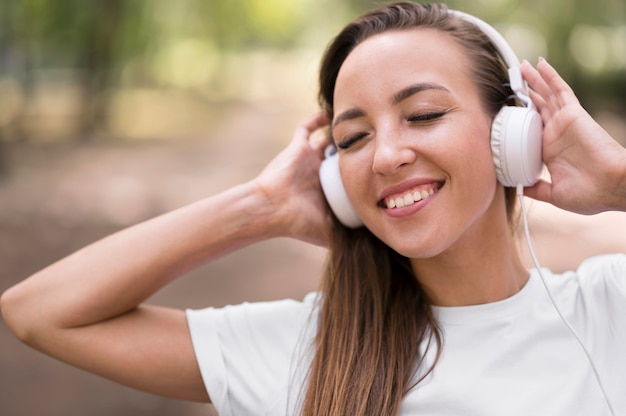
(509, 56)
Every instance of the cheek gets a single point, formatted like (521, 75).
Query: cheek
(475, 145)
(477, 154)
(476, 173)
(356, 174)
(354, 170)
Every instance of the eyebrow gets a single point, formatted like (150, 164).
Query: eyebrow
(397, 98)
(348, 115)
(411, 90)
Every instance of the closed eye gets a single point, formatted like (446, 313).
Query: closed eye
(420, 118)
(344, 144)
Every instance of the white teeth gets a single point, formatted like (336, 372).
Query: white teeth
(409, 199)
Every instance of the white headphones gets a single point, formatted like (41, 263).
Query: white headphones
(515, 137)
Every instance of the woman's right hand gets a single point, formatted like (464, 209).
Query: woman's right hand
(290, 183)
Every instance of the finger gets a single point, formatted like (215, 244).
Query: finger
(535, 81)
(541, 191)
(537, 87)
(549, 95)
(313, 123)
(541, 105)
(559, 88)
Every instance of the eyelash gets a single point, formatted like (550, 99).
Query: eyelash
(426, 117)
(420, 118)
(344, 144)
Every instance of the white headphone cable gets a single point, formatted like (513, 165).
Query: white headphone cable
(520, 196)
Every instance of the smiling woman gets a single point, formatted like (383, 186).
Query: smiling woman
(427, 307)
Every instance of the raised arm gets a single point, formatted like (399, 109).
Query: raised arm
(587, 166)
(86, 309)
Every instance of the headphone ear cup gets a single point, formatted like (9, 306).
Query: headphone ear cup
(335, 193)
(516, 146)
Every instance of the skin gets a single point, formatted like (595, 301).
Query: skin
(87, 308)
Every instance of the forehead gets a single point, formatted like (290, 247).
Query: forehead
(390, 60)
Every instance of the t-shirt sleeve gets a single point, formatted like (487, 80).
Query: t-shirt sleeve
(247, 353)
(603, 298)
(605, 276)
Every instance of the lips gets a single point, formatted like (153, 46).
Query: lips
(409, 195)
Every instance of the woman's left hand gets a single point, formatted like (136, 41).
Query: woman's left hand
(587, 166)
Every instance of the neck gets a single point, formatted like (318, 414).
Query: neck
(482, 267)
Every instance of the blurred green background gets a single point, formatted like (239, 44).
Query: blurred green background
(84, 70)
(115, 111)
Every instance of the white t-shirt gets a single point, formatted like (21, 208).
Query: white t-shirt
(512, 357)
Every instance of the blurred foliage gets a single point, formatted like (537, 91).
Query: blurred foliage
(94, 49)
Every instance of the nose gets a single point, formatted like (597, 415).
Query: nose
(392, 151)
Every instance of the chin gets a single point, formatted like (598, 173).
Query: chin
(413, 253)
(413, 249)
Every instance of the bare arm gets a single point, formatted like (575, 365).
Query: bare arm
(86, 309)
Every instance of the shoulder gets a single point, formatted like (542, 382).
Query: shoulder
(267, 315)
(272, 329)
(608, 264)
(598, 281)
(597, 288)
(606, 271)
(598, 270)
(250, 354)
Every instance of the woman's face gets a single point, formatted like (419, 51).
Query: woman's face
(413, 142)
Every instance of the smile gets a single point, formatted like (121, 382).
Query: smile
(410, 197)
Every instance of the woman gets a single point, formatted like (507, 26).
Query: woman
(425, 310)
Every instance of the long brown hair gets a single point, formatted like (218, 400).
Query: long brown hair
(375, 323)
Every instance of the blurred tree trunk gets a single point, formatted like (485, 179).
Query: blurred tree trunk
(6, 48)
(97, 58)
